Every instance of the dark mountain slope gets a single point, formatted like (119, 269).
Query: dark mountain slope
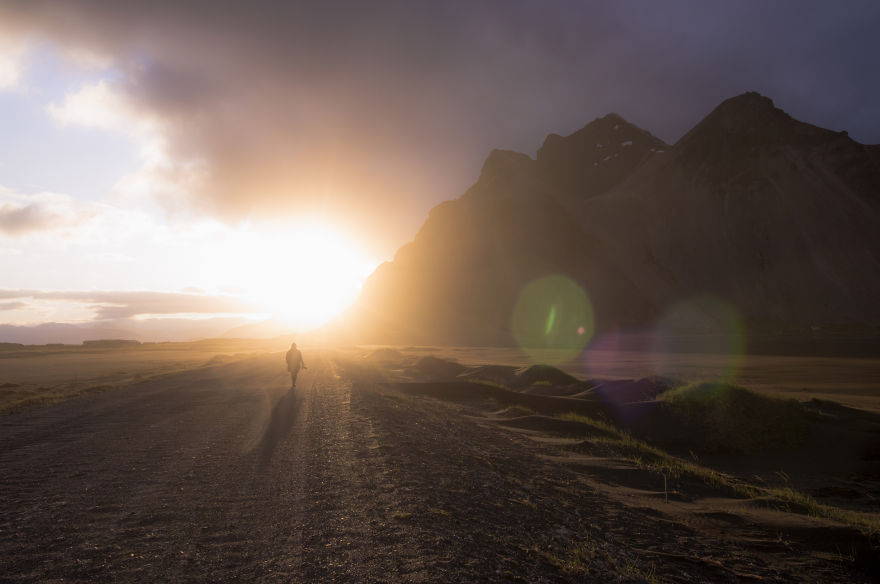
(777, 217)
(459, 279)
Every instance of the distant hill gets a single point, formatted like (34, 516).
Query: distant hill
(53, 332)
(774, 218)
(157, 329)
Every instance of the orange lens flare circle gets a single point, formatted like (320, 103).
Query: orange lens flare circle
(553, 320)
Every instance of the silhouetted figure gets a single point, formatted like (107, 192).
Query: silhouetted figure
(294, 363)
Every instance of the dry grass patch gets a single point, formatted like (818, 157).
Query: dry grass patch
(620, 443)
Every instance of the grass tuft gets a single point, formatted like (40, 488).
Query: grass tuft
(620, 443)
(869, 524)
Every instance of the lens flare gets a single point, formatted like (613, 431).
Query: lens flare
(618, 362)
(606, 357)
(552, 320)
(703, 325)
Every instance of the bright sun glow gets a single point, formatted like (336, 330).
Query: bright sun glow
(303, 276)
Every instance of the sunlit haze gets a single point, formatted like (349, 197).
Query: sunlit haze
(94, 228)
(302, 276)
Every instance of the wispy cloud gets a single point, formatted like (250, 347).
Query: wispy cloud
(95, 106)
(24, 214)
(57, 219)
(113, 305)
(12, 54)
(16, 219)
(109, 106)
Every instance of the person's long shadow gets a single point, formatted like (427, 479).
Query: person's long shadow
(281, 421)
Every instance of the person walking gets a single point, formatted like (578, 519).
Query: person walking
(295, 362)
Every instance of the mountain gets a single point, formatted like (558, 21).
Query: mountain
(153, 330)
(54, 332)
(773, 218)
(776, 217)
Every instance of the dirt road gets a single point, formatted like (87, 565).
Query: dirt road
(218, 474)
(221, 474)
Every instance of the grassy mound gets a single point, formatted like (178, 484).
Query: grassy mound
(501, 374)
(628, 391)
(385, 355)
(729, 419)
(435, 368)
(545, 374)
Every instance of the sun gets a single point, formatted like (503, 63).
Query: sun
(302, 275)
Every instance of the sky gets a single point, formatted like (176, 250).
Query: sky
(214, 158)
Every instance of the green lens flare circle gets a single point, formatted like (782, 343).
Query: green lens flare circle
(553, 320)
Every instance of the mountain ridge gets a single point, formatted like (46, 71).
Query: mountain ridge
(771, 215)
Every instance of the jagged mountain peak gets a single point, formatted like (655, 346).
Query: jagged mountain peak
(503, 161)
(748, 124)
(608, 131)
(748, 101)
(748, 114)
(504, 173)
(598, 156)
(586, 162)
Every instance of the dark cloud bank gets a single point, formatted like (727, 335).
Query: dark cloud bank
(374, 112)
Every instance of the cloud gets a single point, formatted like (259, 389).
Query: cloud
(23, 218)
(373, 112)
(105, 105)
(57, 220)
(7, 294)
(6, 306)
(96, 105)
(113, 305)
(12, 53)
(43, 213)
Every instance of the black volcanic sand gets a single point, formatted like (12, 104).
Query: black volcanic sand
(837, 463)
(363, 474)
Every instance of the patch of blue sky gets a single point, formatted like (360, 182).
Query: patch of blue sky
(38, 154)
